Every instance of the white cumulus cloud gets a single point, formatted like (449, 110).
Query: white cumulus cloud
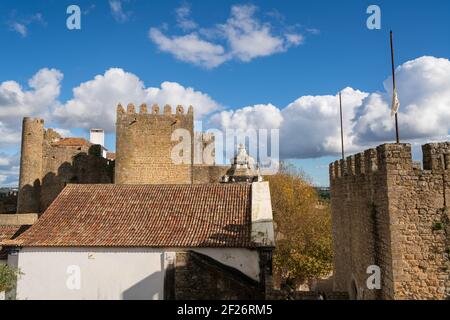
(94, 102)
(261, 116)
(190, 48)
(174, 94)
(424, 92)
(249, 38)
(17, 102)
(243, 37)
(310, 127)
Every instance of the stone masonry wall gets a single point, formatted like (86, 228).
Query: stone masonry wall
(419, 202)
(205, 169)
(388, 212)
(361, 238)
(208, 174)
(70, 164)
(46, 167)
(198, 277)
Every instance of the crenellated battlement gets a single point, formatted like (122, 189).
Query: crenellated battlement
(33, 120)
(384, 157)
(155, 110)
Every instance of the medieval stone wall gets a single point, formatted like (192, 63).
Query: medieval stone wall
(46, 167)
(386, 212)
(419, 201)
(208, 174)
(198, 277)
(204, 149)
(205, 169)
(71, 164)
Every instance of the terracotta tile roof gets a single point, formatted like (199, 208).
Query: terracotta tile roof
(108, 215)
(72, 142)
(8, 232)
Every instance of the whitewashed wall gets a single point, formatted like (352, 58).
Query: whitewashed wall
(108, 273)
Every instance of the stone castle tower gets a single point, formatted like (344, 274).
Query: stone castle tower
(389, 213)
(145, 142)
(30, 165)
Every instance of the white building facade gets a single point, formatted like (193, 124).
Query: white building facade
(83, 248)
(108, 273)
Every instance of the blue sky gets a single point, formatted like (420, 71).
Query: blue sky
(336, 51)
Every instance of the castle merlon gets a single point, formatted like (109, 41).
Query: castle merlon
(143, 108)
(155, 110)
(131, 108)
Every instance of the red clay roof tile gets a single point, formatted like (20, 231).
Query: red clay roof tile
(7, 231)
(109, 215)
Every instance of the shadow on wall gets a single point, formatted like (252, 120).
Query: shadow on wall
(29, 198)
(148, 288)
(8, 203)
(84, 168)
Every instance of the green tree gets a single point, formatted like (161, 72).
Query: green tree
(302, 227)
(8, 277)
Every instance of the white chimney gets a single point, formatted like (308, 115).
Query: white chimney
(97, 137)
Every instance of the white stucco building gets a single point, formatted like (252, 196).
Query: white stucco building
(209, 241)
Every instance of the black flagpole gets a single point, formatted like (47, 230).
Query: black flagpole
(342, 127)
(394, 87)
